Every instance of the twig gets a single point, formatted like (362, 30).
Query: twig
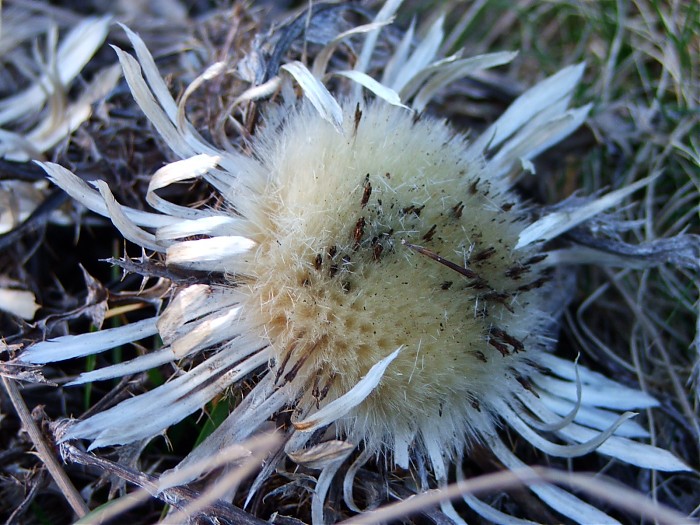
(148, 269)
(44, 450)
(597, 486)
(178, 497)
(681, 250)
(26, 502)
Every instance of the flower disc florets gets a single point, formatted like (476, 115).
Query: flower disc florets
(390, 235)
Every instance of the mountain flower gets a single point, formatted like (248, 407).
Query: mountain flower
(372, 268)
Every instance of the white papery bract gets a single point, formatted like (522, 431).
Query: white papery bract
(381, 278)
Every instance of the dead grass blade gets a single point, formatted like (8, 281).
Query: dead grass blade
(594, 485)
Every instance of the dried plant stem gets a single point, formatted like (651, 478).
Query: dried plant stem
(26, 502)
(597, 486)
(44, 450)
(657, 341)
(177, 497)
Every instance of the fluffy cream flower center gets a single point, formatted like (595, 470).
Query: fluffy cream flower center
(389, 236)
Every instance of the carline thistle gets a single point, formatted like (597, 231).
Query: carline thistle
(376, 274)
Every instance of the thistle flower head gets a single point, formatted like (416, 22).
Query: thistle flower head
(376, 270)
(388, 235)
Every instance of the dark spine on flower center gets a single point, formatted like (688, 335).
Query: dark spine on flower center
(501, 340)
(358, 232)
(366, 192)
(484, 254)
